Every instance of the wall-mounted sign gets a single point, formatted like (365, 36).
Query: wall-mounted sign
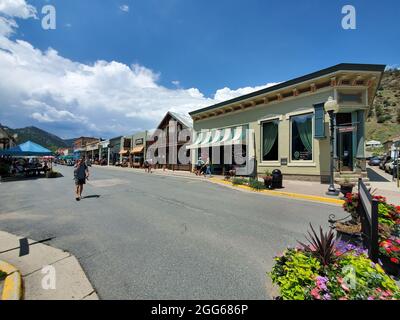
(347, 129)
(284, 161)
(139, 141)
(350, 97)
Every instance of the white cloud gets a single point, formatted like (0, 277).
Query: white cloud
(105, 98)
(124, 8)
(7, 26)
(17, 9)
(227, 93)
(10, 9)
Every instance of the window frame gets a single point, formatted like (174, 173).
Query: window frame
(291, 160)
(262, 122)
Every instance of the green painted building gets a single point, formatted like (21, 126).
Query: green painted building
(289, 127)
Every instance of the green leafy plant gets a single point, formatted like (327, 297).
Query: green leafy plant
(238, 181)
(321, 246)
(256, 185)
(267, 173)
(294, 272)
(52, 174)
(346, 182)
(351, 276)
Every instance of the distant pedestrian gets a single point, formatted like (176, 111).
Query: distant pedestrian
(199, 166)
(148, 165)
(208, 167)
(81, 173)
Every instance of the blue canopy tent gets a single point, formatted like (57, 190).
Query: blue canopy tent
(27, 149)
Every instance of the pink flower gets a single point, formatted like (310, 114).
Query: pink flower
(315, 293)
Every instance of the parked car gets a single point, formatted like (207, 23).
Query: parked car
(374, 161)
(384, 161)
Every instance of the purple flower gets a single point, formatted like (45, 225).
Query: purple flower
(327, 296)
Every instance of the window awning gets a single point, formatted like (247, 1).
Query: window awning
(199, 138)
(123, 152)
(138, 149)
(220, 137)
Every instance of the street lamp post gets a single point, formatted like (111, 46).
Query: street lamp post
(331, 107)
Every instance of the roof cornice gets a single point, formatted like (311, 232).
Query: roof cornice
(324, 72)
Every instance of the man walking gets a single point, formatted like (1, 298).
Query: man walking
(81, 173)
(208, 167)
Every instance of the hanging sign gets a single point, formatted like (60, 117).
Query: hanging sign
(346, 129)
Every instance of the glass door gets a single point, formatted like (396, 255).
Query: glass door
(346, 151)
(344, 140)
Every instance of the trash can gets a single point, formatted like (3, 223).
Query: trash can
(277, 179)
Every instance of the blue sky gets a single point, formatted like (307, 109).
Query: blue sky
(209, 45)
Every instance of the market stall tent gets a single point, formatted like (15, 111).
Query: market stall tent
(28, 148)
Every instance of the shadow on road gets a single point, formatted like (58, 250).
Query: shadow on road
(94, 196)
(375, 177)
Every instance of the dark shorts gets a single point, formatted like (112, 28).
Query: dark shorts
(79, 182)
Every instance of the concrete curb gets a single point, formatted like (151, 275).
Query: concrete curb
(12, 289)
(275, 193)
(282, 193)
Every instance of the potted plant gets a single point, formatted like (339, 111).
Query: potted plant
(52, 174)
(267, 177)
(346, 186)
(324, 269)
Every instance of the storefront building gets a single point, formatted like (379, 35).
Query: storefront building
(174, 126)
(115, 147)
(92, 151)
(124, 153)
(289, 127)
(140, 142)
(7, 140)
(79, 148)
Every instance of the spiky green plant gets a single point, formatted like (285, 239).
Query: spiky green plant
(321, 246)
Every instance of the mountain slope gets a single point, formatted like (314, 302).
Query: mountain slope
(39, 136)
(384, 117)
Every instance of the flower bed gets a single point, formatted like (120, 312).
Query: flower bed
(389, 227)
(328, 270)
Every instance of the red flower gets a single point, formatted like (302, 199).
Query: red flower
(395, 260)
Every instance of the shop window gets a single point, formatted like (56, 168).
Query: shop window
(301, 137)
(270, 141)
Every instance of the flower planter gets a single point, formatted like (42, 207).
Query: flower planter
(346, 188)
(268, 182)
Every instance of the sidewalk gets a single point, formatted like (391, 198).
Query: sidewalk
(71, 282)
(304, 190)
(380, 181)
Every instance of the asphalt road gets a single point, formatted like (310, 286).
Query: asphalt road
(142, 236)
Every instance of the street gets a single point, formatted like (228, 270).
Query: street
(144, 236)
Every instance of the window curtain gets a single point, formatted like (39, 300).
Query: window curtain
(304, 126)
(270, 133)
